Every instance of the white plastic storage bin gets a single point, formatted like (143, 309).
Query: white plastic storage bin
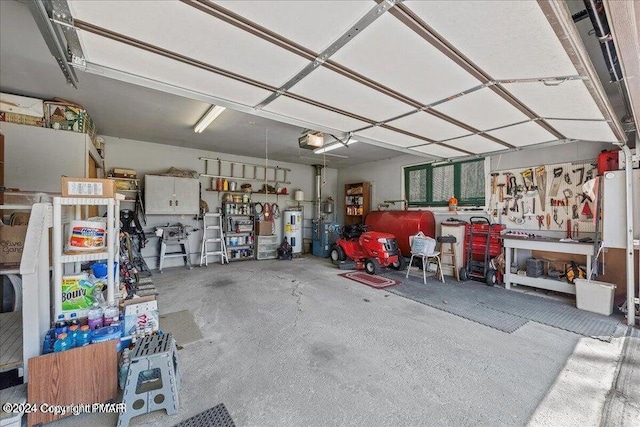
(595, 296)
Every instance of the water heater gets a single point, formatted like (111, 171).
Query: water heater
(293, 229)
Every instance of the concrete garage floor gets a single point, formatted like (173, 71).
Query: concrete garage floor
(289, 343)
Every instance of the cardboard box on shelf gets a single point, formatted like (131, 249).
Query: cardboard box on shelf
(264, 228)
(88, 187)
(12, 244)
(21, 119)
(70, 117)
(22, 105)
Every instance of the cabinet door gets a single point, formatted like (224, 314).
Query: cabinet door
(158, 194)
(187, 195)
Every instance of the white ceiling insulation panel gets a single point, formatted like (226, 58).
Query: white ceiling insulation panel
(391, 137)
(506, 39)
(125, 58)
(475, 144)
(185, 30)
(417, 70)
(331, 88)
(438, 151)
(586, 131)
(429, 126)
(523, 134)
(482, 109)
(327, 20)
(567, 100)
(315, 115)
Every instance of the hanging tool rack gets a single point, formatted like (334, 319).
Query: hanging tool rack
(239, 171)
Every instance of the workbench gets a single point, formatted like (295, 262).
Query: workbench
(511, 246)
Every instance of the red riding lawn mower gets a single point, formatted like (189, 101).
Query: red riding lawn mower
(371, 250)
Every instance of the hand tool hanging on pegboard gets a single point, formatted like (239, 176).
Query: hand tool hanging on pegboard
(555, 184)
(541, 183)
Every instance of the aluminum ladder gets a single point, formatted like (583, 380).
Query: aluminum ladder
(212, 224)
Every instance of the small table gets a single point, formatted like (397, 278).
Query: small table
(548, 245)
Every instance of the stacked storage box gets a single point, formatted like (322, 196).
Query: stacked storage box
(21, 110)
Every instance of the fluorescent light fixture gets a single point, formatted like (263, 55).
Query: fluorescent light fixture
(208, 118)
(333, 146)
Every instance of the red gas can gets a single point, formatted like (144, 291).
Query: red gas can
(607, 161)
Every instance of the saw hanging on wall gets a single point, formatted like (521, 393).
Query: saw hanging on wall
(541, 183)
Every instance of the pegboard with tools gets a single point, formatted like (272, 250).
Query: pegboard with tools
(546, 197)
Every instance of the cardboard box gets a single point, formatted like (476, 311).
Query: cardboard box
(12, 244)
(88, 187)
(21, 119)
(22, 105)
(141, 316)
(68, 117)
(264, 228)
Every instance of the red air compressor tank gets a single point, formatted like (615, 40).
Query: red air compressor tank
(607, 161)
(402, 224)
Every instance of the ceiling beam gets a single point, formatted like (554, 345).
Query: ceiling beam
(559, 17)
(624, 21)
(411, 20)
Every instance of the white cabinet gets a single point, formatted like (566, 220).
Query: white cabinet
(614, 230)
(168, 195)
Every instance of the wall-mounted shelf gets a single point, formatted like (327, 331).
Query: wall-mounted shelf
(246, 172)
(357, 201)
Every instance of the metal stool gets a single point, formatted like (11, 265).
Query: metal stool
(153, 379)
(184, 252)
(450, 252)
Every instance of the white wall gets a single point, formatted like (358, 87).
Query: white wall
(147, 157)
(29, 151)
(387, 176)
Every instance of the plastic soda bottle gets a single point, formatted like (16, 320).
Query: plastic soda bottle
(61, 325)
(111, 314)
(95, 317)
(83, 337)
(73, 335)
(61, 344)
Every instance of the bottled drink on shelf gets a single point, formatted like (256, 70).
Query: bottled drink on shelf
(74, 320)
(95, 317)
(61, 325)
(111, 314)
(73, 335)
(62, 343)
(83, 337)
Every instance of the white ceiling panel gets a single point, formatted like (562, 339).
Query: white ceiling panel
(482, 109)
(568, 100)
(476, 144)
(185, 30)
(300, 110)
(586, 131)
(118, 56)
(327, 20)
(439, 151)
(390, 137)
(417, 70)
(506, 39)
(523, 134)
(428, 126)
(333, 89)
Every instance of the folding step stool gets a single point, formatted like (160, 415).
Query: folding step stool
(153, 379)
(450, 252)
(212, 223)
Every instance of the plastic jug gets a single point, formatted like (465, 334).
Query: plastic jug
(111, 314)
(95, 317)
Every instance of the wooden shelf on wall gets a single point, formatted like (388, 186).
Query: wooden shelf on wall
(357, 198)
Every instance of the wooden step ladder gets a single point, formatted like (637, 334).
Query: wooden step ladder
(212, 234)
